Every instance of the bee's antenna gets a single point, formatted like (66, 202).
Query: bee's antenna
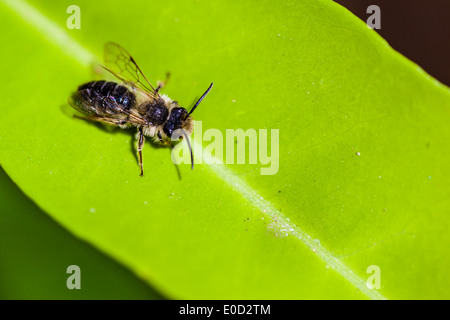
(201, 98)
(190, 149)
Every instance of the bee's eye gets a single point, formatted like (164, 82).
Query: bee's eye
(176, 118)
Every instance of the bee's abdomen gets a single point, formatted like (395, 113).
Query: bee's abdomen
(107, 96)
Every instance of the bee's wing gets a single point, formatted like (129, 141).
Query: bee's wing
(95, 114)
(122, 65)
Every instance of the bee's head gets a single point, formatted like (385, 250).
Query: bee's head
(178, 119)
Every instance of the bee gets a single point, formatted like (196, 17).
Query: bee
(133, 102)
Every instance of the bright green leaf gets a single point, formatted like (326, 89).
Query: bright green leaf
(363, 162)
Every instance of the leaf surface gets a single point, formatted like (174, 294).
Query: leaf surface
(363, 149)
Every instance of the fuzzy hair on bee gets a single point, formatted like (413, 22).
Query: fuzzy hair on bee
(133, 102)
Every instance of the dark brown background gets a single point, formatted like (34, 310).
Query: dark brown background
(419, 29)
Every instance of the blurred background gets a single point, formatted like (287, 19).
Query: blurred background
(31, 240)
(420, 30)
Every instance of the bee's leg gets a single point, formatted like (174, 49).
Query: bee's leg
(161, 84)
(140, 145)
(164, 142)
(160, 138)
